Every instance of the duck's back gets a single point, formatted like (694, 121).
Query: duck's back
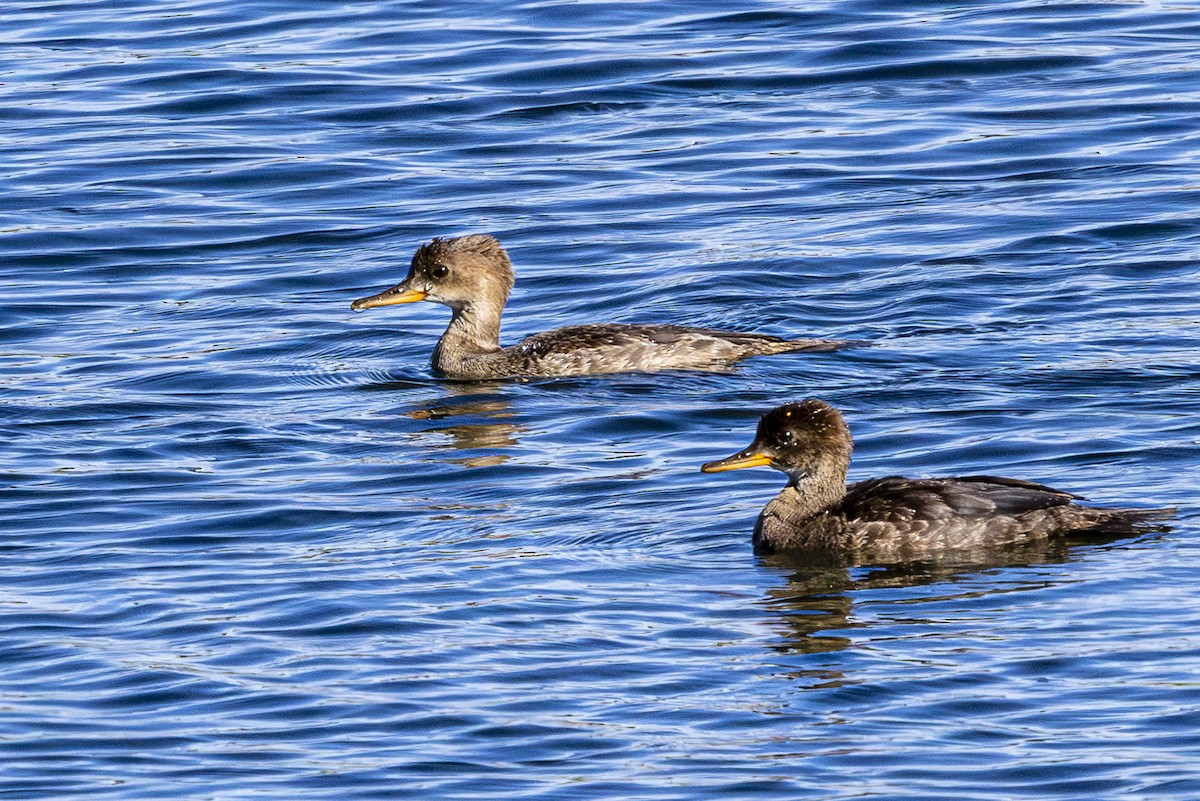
(896, 518)
(617, 348)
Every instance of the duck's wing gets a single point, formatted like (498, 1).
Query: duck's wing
(594, 349)
(897, 499)
(741, 343)
(888, 519)
(601, 335)
(617, 347)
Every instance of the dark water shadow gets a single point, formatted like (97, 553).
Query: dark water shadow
(465, 419)
(818, 598)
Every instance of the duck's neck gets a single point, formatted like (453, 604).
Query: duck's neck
(798, 502)
(789, 520)
(471, 341)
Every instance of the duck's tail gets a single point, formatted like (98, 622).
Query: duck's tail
(1127, 521)
(814, 345)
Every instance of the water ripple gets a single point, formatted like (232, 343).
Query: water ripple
(252, 547)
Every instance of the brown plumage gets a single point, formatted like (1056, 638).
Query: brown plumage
(473, 276)
(897, 519)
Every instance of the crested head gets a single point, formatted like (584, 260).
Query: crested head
(806, 440)
(483, 249)
(804, 434)
(466, 272)
(462, 271)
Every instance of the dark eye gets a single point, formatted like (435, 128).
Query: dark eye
(439, 271)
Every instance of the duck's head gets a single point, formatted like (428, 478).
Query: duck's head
(805, 440)
(458, 273)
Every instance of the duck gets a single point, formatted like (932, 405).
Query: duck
(897, 519)
(473, 275)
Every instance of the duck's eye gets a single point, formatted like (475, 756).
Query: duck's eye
(439, 271)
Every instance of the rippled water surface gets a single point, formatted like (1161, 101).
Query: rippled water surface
(250, 547)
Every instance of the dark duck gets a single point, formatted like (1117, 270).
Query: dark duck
(897, 519)
(473, 276)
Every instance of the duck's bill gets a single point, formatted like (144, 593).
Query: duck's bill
(739, 461)
(389, 297)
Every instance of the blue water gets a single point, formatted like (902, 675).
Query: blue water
(250, 547)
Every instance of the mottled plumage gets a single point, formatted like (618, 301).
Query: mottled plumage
(473, 276)
(897, 519)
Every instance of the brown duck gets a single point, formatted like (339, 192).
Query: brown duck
(898, 519)
(473, 276)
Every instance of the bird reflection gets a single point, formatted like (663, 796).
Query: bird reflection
(493, 432)
(816, 604)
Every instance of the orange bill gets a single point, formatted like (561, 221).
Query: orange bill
(739, 461)
(389, 297)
